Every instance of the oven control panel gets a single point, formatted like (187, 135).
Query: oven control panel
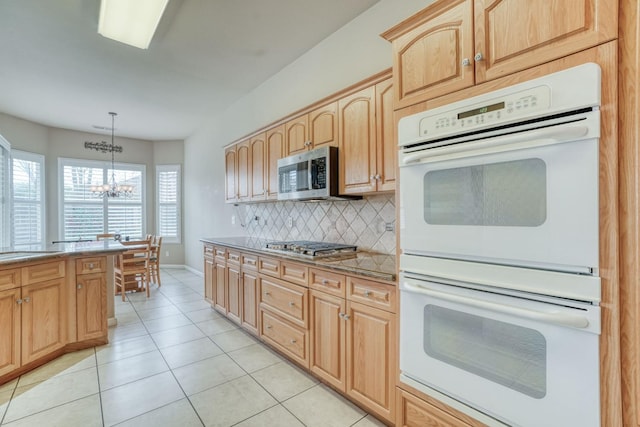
(507, 108)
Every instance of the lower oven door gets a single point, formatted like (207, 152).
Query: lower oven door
(521, 361)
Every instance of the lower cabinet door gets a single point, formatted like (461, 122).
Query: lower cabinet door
(44, 314)
(10, 330)
(249, 285)
(91, 314)
(371, 358)
(209, 271)
(220, 287)
(234, 304)
(414, 412)
(327, 348)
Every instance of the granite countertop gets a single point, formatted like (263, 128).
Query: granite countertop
(365, 263)
(58, 250)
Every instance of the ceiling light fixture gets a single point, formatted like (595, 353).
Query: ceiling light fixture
(113, 189)
(132, 22)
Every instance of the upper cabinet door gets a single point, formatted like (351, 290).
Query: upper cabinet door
(296, 136)
(274, 150)
(257, 155)
(323, 126)
(513, 35)
(435, 56)
(357, 138)
(387, 146)
(243, 153)
(231, 171)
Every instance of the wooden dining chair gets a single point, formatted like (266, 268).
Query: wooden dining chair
(131, 269)
(154, 260)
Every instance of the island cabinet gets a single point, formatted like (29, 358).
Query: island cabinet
(91, 298)
(367, 140)
(249, 292)
(220, 280)
(234, 303)
(454, 44)
(209, 272)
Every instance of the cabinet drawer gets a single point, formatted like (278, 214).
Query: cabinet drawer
(233, 257)
(414, 412)
(270, 266)
(249, 262)
(43, 272)
(220, 252)
(371, 293)
(9, 279)
(289, 301)
(91, 265)
(288, 338)
(209, 251)
(325, 281)
(294, 272)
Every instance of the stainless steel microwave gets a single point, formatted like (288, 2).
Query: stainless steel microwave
(312, 175)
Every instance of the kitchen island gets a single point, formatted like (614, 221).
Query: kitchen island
(54, 299)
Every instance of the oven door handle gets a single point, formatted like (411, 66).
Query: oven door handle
(528, 139)
(561, 319)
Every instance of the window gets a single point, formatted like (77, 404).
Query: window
(5, 193)
(168, 203)
(84, 215)
(28, 199)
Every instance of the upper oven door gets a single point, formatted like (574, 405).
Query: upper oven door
(525, 198)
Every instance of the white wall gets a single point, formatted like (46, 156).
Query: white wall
(348, 56)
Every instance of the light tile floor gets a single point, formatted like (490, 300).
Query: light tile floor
(173, 361)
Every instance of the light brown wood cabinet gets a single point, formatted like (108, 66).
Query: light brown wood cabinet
(414, 412)
(257, 170)
(231, 175)
(454, 44)
(220, 285)
(275, 149)
(243, 158)
(10, 331)
(91, 309)
(209, 274)
(249, 295)
(367, 140)
(234, 303)
(297, 135)
(323, 126)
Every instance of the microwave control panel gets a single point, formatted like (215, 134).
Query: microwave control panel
(507, 108)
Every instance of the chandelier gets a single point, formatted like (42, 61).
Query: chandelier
(112, 189)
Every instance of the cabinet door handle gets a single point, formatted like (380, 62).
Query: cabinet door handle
(79, 286)
(345, 316)
(466, 62)
(27, 299)
(18, 301)
(377, 177)
(478, 57)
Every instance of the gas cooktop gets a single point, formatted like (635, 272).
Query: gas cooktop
(311, 249)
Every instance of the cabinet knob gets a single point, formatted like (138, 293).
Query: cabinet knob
(325, 282)
(293, 341)
(18, 301)
(367, 293)
(269, 326)
(91, 266)
(345, 316)
(377, 177)
(291, 304)
(466, 62)
(27, 299)
(79, 286)
(266, 294)
(478, 57)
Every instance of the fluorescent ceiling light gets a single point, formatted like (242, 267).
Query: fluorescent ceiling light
(130, 21)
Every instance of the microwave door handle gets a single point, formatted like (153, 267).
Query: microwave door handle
(529, 139)
(561, 319)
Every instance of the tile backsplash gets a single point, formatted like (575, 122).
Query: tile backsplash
(368, 223)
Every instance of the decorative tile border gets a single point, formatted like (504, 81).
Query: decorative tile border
(360, 222)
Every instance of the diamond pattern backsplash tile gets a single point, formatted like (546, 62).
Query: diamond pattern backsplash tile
(357, 222)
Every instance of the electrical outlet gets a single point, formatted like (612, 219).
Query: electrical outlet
(290, 222)
(233, 220)
(166, 253)
(389, 226)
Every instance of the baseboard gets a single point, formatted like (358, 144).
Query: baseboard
(111, 322)
(194, 271)
(173, 266)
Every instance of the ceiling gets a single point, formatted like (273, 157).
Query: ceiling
(55, 69)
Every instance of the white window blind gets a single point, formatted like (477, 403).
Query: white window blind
(85, 215)
(28, 199)
(168, 206)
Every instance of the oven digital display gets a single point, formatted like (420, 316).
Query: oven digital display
(481, 110)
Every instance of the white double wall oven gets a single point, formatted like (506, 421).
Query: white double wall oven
(499, 280)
